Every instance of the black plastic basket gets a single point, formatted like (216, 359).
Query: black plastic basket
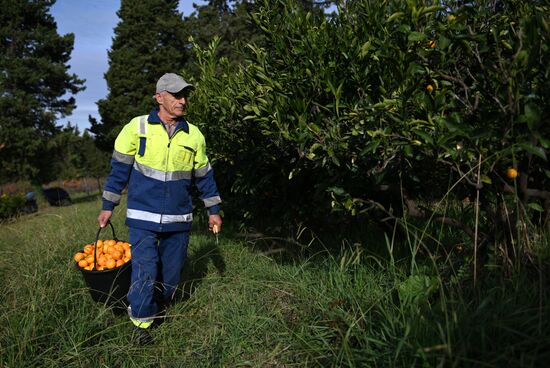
(109, 287)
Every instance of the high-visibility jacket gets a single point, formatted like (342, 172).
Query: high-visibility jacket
(159, 171)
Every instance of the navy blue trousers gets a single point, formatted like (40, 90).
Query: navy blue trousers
(157, 262)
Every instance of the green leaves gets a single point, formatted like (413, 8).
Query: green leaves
(531, 116)
(421, 93)
(416, 290)
(537, 151)
(416, 37)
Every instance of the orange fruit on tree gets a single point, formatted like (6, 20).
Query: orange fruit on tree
(429, 88)
(511, 173)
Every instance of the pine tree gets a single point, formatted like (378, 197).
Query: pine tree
(228, 20)
(149, 41)
(34, 80)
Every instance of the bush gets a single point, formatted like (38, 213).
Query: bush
(11, 205)
(388, 107)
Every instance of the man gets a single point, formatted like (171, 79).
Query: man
(158, 157)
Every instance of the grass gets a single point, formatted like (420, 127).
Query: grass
(241, 305)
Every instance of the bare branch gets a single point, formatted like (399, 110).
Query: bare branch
(415, 211)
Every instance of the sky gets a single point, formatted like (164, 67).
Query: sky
(92, 22)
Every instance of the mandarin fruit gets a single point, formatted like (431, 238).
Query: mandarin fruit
(101, 260)
(116, 255)
(511, 173)
(110, 264)
(79, 256)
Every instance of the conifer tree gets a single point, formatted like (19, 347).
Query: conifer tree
(34, 81)
(149, 41)
(229, 21)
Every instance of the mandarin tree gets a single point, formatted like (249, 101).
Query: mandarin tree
(334, 112)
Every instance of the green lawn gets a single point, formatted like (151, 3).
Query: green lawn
(240, 306)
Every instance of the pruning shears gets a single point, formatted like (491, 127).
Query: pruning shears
(216, 230)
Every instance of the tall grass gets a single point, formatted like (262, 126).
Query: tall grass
(242, 306)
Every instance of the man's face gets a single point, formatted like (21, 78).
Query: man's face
(173, 104)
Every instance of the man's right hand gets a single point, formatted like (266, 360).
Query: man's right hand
(104, 217)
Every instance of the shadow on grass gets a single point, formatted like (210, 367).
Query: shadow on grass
(295, 244)
(196, 269)
(86, 198)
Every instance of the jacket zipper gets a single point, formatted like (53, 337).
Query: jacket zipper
(166, 173)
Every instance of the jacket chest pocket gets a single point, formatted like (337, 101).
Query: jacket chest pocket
(155, 150)
(184, 156)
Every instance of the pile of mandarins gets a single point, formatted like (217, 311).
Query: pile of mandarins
(110, 254)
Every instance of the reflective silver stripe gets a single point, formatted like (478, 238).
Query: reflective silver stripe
(110, 196)
(121, 157)
(203, 171)
(143, 126)
(209, 202)
(169, 219)
(158, 218)
(161, 175)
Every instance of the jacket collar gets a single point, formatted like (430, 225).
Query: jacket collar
(154, 118)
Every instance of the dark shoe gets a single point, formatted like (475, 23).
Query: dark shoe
(142, 336)
(160, 317)
(163, 306)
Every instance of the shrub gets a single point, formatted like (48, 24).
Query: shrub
(11, 205)
(386, 107)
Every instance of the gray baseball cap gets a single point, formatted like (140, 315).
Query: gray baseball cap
(172, 83)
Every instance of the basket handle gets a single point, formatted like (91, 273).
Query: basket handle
(97, 238)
